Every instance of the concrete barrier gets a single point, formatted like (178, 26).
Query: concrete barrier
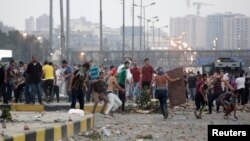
(55, 132)
(48, 107)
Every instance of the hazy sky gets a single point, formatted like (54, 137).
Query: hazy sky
(14, 12)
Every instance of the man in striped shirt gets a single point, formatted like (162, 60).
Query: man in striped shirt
(218, 90)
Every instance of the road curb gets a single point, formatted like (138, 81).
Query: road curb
(56, 132)
(48, 107)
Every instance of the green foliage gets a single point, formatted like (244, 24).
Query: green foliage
(22, 46)
(6, 115)
(143, 100)
(129, 108)
(93, 135)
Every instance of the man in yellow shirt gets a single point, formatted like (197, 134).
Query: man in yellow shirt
(49, 80)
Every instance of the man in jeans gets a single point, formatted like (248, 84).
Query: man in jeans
(49, 80)
(147, 74)
(3, 83)
(200, 95)
(67, 75)
(218, 90)
(93, 75)
(191, 85)
(114, 101)
(10, 80)
(136, 75)
(122, 78)
(161, 91)
(78, 85)
(34, 71)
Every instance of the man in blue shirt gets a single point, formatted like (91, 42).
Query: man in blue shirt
(93, 75)
(67, 75)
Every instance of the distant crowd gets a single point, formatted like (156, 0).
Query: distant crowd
(115, 85)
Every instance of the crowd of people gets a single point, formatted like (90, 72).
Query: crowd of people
(219, 89)
(115, 85)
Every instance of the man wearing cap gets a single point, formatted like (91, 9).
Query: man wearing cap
(122, 78)
(161, 91)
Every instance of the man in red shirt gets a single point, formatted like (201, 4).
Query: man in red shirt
(147, 74)
(201, 95)
(136, 75)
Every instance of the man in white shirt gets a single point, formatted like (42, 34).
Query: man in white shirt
(240, 82)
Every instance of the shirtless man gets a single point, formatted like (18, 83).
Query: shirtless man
(161, 91)
(114, 101)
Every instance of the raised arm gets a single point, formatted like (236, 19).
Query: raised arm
(171, 79)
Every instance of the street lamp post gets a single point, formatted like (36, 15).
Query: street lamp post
(147, 33)
(20, 38)
(39, 38)
(82, 56)
(123, 31)
(62, 31)
(141, 26)
(153, 27)
(145, 22)
(51, 25)
(159, 44)
(144, 18)
(133, 27)
(67, 29)
(101, 43)
(148, 20)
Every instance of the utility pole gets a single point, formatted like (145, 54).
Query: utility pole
(147, 46)
(101, 44)
(123, 31)
(141, 27)
(62, 31)
(50, 26)
(153, 34)
(133, 28)
(67, 30)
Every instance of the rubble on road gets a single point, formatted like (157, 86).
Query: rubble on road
(148, 136)
(93, 135)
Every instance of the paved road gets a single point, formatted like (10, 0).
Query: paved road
(183, 126)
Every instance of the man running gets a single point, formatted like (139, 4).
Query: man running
(201, 95)
(114, 101)
(99, 88)
(161, 91)
(228, 100)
